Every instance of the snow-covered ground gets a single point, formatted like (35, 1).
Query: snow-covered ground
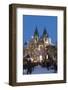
(40, 70)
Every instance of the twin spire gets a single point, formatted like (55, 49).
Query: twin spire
(36, 34)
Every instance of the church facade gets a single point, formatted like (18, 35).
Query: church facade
(38, 47)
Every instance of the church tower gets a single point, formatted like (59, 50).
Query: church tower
(36, 35)
(45, 35)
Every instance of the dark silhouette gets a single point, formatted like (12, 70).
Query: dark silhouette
(55, 67)
(29, 67)
(48, 65)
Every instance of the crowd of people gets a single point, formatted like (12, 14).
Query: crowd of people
(29, 65)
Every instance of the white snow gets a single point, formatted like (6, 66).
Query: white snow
(40, 70)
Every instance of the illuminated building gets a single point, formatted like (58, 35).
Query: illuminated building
(38, 47)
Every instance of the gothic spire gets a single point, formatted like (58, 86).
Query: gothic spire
(45, 33)
(36, 34)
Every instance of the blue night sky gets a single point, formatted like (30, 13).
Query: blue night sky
(48, 22)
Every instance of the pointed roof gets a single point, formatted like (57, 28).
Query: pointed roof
(36, 32)
(45, 33)
(25, 43)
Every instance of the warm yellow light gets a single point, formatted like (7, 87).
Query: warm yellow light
(40, 58)
(32, 59)
(46, 56)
